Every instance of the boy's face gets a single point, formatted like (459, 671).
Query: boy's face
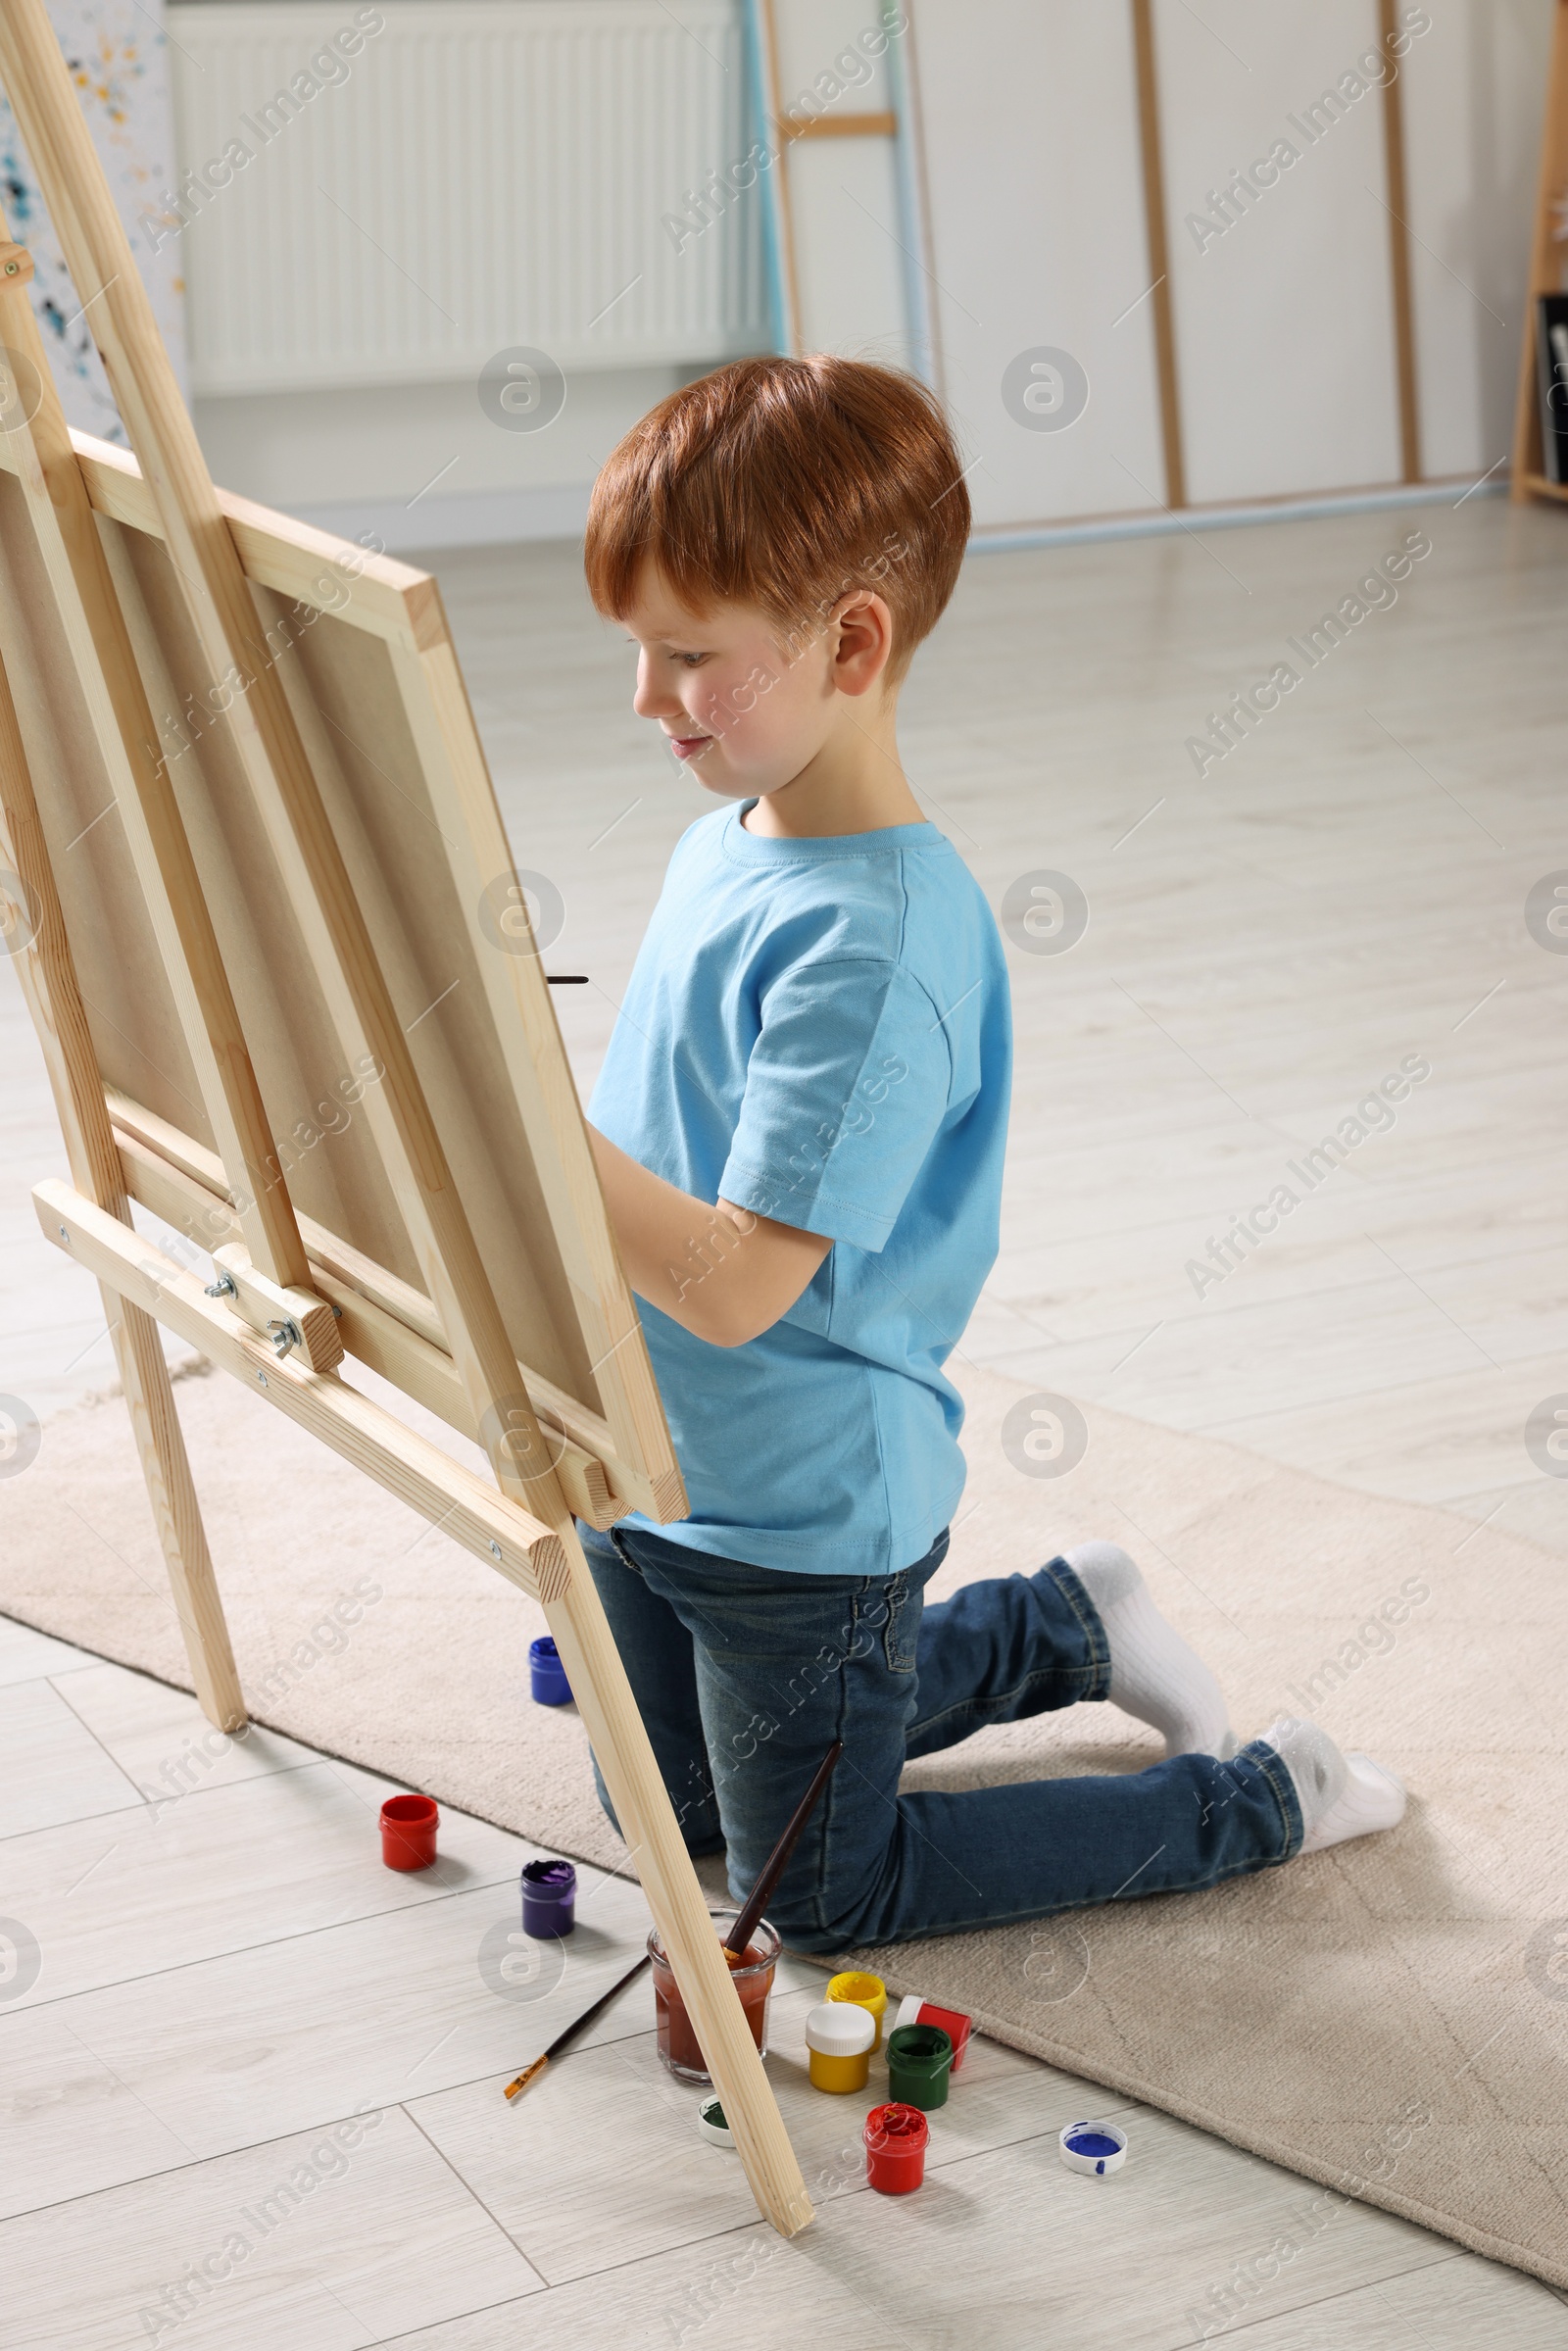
(733, 705)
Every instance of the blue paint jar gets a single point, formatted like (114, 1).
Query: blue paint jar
(547, 1675)
(549, 1898)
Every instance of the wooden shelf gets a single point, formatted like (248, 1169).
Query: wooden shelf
(1548, 272)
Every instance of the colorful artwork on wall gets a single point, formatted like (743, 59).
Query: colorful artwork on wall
(117, 57)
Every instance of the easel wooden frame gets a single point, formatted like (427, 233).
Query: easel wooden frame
(782, 132)
(299, 1293)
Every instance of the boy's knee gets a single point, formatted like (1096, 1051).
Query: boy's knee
(822, 1942)
(830, 1918)
(697, 1821)
(798, 1922)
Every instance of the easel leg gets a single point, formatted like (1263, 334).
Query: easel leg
(165, 1466)
(599, 1683)
(48, 979)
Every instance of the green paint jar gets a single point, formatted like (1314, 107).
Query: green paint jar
(919, 2062)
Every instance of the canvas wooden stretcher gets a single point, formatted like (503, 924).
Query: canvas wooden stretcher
(281, 966)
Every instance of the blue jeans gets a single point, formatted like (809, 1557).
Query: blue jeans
(744, 1676)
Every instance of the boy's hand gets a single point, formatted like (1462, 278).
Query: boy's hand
(723, 1273)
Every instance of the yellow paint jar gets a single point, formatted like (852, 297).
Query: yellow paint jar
(862, 1991)
(838, 2041)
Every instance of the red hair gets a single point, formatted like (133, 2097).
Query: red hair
(784, 483)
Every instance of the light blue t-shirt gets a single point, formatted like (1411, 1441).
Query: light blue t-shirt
(820, 1031)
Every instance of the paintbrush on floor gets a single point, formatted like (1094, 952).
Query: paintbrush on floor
(739, 1936)
(531, 2072)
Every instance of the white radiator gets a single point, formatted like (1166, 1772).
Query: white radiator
(477, 174)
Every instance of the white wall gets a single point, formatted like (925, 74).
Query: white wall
(457, 180)
(383, 459)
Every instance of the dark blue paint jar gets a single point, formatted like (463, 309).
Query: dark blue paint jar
(547, 1675)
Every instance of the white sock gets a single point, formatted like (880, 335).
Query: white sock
(1153, 1674)
(1340, 1796)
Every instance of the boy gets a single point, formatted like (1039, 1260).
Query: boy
(799, 1128)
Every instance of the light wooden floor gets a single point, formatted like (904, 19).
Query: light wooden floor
(229, 1974)
(232, 1974)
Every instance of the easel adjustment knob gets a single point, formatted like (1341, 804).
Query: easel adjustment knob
(292, 1319)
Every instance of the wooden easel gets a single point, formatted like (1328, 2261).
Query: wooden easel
(289, 832)
(784, 41)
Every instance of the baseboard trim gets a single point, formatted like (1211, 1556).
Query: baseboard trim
(1004, 537)
(468, 518)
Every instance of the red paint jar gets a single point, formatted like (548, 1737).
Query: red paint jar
(753, 1975)
(917, 2011)
(896, 2141)
(407, 1831)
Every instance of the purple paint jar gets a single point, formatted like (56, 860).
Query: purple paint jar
(549, 1898)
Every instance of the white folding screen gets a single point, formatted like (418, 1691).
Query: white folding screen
(1029, 115)
(1278, 232)
(1284, 313)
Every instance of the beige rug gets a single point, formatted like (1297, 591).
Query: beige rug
(1390, 2019)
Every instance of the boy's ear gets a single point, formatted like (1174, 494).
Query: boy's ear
(864, 643)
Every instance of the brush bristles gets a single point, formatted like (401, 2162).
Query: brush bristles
(514, 2090)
